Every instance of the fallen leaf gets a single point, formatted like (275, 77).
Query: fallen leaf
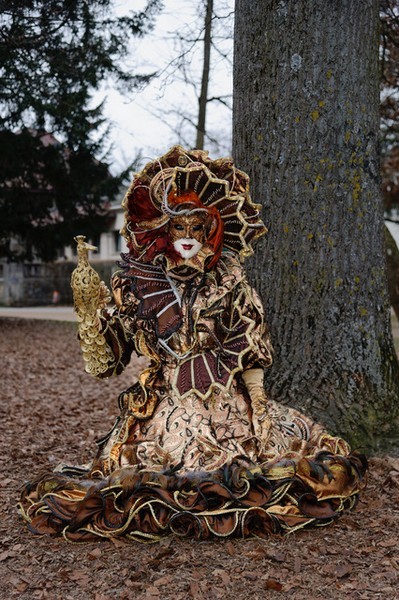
(343, 570)
(152, 590)
(253, 575)
(297, 564)
(276, 556)
(4, 555)
(199, 574)
(119, 542)
(133, 584)
(230, 548)
(195, 589)
(22, 587)
(93, 554)
(389, 543)
(273, 584)
(162, 554)
(17, 547)
(224, 576)
(165, 580)
(367, 549)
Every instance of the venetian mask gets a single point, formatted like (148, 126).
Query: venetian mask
(187, 234)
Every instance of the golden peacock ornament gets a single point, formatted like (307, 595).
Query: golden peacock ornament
(90, 294)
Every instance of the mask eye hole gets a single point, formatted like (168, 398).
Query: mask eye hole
(178, 227)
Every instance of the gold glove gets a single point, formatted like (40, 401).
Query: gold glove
(253, 379)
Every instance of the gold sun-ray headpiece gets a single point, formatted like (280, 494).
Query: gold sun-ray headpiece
(218, 185)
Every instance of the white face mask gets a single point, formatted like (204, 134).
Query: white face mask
(187, 247)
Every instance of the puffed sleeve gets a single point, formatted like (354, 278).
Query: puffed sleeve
(260, 354)
(242, 328)
(118, 325)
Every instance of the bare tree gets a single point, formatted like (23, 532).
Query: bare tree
(203, 97)
(203, 49)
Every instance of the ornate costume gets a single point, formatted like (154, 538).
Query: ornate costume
(198, 449)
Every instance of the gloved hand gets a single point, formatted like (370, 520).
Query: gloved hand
(253, 379)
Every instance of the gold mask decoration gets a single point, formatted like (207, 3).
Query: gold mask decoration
(188, 233)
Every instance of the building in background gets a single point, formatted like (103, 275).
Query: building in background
(394, 230)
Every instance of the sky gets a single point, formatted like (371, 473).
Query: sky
(149, 120)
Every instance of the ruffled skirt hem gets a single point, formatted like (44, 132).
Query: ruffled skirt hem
(275, 497)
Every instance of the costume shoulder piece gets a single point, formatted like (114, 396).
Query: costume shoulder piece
(158, 297)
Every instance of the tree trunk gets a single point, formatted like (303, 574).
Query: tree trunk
(306, 98)
(203, 99)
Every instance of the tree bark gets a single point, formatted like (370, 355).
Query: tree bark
(203, 99)
(306, 121)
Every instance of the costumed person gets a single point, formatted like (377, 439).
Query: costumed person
(198, 448)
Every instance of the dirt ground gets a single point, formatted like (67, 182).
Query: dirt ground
(51, 412)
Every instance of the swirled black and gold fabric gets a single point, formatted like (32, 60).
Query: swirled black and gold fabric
(183, 458)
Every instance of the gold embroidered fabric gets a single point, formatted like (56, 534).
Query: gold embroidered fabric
(197, 449)
(183, 461)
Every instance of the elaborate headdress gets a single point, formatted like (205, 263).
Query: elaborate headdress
(188, 180)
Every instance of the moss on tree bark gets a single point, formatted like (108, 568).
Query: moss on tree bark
(306, 97)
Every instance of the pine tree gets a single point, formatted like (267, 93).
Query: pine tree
(54, 178)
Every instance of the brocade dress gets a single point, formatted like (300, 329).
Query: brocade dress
(186, 460)
(183, 457)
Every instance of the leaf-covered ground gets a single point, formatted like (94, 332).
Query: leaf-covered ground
(51, 412)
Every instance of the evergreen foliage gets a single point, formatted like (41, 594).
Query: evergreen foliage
(54, 178)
